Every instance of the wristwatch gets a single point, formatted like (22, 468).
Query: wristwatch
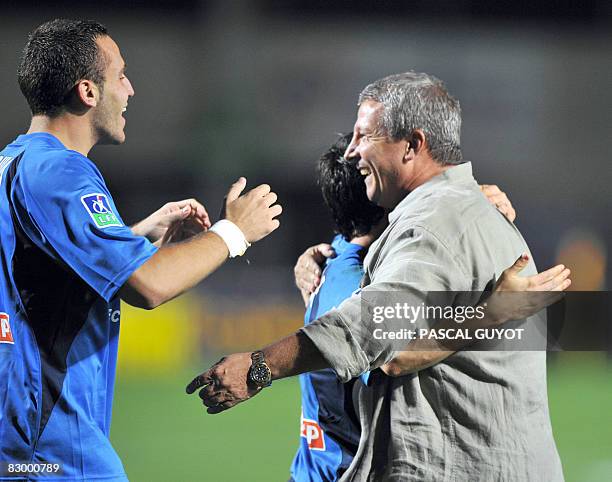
(259, 375)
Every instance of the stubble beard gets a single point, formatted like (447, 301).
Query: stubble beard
(106, 131)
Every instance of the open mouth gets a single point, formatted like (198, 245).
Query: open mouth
(365, 171)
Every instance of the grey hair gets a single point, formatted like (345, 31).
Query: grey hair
(413, 101)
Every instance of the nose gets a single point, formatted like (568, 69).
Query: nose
(130, 89)
(351, 150)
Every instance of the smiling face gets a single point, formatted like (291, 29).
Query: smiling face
(108, 120)
(381, 159)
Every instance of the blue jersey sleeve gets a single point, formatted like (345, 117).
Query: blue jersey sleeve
(65, 208)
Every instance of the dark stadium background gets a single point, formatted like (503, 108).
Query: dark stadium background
(260, 88)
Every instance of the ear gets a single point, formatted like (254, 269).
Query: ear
(417, 144)
(88, 93)
(408, 154)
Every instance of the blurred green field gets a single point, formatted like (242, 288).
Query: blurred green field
(162, 434)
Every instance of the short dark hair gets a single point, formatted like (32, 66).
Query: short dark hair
(58, 54)
(344, 192)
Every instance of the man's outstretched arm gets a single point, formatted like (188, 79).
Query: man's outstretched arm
(226, 383)
(174, 269)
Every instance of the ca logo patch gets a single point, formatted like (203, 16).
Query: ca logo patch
(99, 209)
(5, 329)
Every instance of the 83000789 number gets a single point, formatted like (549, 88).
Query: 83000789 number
(9, 468)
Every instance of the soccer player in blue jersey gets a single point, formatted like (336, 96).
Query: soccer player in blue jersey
(329, 428)
(67, 257)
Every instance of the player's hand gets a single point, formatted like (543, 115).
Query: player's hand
(182, 230)
(516, 297)
(308, 268)
(174, 221)
(498, 198)
(253, 212)
(224, 384)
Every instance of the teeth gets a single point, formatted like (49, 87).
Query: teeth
(124, 109)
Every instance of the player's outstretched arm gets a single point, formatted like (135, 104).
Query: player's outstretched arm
(176, 267)
(546, 288)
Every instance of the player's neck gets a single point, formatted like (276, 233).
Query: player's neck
(364, 240)
(74, 132)
(367, 239)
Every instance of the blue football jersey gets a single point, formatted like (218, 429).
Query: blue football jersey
(329, 432)
(64, 254)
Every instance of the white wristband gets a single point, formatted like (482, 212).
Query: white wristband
(232, 236)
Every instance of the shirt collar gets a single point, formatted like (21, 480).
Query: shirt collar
(453, 175)
(49, 139)
(341, 245)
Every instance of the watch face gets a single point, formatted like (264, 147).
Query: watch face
(260, 374)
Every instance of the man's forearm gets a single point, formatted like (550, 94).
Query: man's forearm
(297, 354)
(414, 359)
(426, 352)
(293, 355)
(173, 269)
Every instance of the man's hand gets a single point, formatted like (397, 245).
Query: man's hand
(253, 212)
(309, 267)
(173, 222)
(225, 383)
(499, 199)
(553, 279)
(516, 297)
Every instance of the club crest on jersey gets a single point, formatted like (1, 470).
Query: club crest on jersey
(5, 329)
(99, 209)
(313, 434)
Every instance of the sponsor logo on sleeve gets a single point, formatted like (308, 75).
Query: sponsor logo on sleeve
(99, 209)
(5, 329)
(313, 434)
